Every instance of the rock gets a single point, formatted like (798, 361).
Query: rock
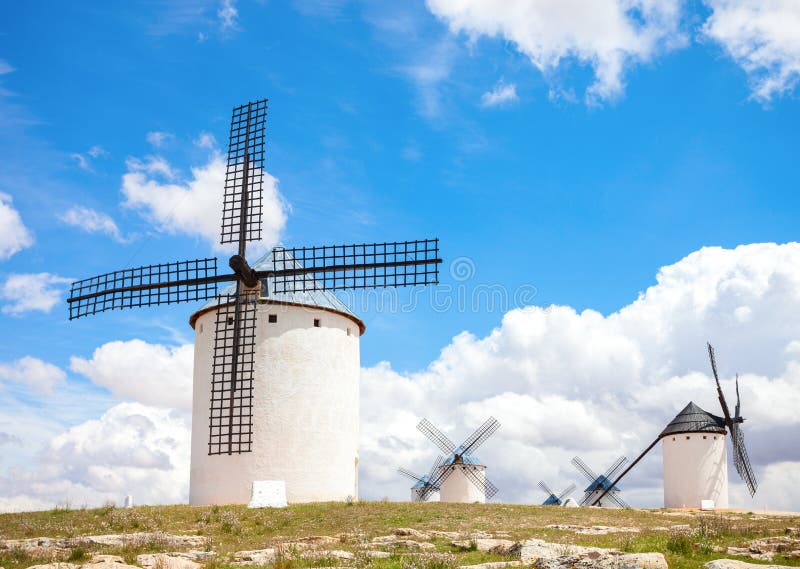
(167, 561)
(792, 531)
(107, 562)
(496, 546)
(593, 530)
(393, 541)
(53, 566)
(162, 539)
(764, 549)
(254, 557)
(492, 565)
(378, 554)
(319, 540)
(736, 564)
(329, 554)
(445, 534)
(411, 532)
(544, 555)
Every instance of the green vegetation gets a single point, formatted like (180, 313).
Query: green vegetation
(235, 528)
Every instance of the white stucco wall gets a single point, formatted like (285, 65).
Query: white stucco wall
(305, 410)
(458, 488)
(432, 496)
(695, 469)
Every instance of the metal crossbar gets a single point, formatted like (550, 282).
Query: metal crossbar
(365, 265)
(245, 168)
(481, 483)
(546, 489)
(231, 411)
(443, 474)
(480, 435)
(612, 470)
(165, 283)
(581, 466)
(436, 436)
(741, 461)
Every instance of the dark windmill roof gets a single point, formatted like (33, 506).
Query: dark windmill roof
(600, 483)
(693, 419)
(552, 500)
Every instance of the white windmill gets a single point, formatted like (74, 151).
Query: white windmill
(694, 458)
(461, 477)
(424, 490)
(276, 360)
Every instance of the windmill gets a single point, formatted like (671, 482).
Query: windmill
(601, 491)
(694, 458)
(552, 498)
(275, 390)
(461, 477)
(424, 490)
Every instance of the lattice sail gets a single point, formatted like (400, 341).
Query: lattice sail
(365, 265)
(481, 482)
(231, 409)
(245, 171)
(165, 283)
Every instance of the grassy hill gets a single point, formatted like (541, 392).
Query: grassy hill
(235, 528)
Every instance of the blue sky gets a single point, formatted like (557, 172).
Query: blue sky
(390, 122)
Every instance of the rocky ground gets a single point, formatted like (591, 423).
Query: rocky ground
(446, 536)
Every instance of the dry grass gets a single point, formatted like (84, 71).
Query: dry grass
(235, 528)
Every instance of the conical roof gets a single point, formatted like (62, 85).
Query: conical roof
(693, 419)
(323, 299)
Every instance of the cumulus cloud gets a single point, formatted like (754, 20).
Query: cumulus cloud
(14, 236)
(761, 37)
(607, 35)
(131, 449)
(228, 15)
(38, 376)
(194, 207)
(158, 138)
(152, 374)
(205, 140)
(564, 382)
(32, 291)
(84, 161)
(91, 221)
(502, 94)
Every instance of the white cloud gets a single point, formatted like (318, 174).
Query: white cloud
(131, 449)
(83, 160)
(761, 37)
(205, 140)
(14, 236)
(40, 377)
(194, 207)
(152, 374)
(91, 221)
(428, 73)
(563, 382)
(502, 94)
(228, 15)
(5, 67)
(607, 35)
(32, 291)
(158, 138)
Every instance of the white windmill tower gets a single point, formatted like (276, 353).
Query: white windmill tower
(424, 490)
(276, 363)
(462, 477)
(694, 458)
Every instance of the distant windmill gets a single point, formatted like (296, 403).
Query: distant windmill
(694, 458)
(424, 490)
(552, 498)
(276, 364)
(461, 477)
(601, 491)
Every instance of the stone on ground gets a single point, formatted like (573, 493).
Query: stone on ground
(544, 555)
(736, 564)
(167, 561)
(254, 557)
(496, 546)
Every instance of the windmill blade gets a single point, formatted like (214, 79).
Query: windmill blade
(741, 461)
(587, 497)
(436, 464)
(585, 470)
(436, 436)
(545, 488)
(619, 463)
(231, 406)
(720, 394)
(617, 499)
(567, 491)
(436, 483)
(165, 283)
(244, 177)
(408, 474)
(477, 438)
(365, 265)
(481, 483)
(738, 411)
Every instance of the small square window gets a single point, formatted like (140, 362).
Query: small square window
(272, 318)
(687, 437)
(230, 320)
(201, 328)
(673, 438)
(316, 322)
(348, 331)
(705, 437)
